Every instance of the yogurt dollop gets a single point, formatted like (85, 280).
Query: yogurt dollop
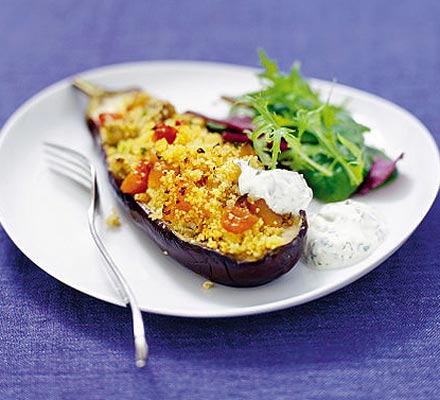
(283, 191)
(342, 233)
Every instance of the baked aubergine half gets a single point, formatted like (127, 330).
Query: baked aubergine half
(179, 182)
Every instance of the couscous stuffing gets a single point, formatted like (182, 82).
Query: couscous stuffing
(187, 176)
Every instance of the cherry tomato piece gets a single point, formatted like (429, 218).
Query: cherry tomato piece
(137, 181)
(104, 117)
(260, 208)
(238, 219)
(162, 130)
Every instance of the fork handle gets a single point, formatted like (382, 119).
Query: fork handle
(141, 346)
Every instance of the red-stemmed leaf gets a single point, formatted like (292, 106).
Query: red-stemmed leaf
(380, 171)
(235, 137)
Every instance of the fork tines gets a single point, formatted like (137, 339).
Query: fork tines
(69, 163)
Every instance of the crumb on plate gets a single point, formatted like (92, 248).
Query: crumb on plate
(207, 285)
(113, 218)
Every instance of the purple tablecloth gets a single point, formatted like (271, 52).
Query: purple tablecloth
(378, 338)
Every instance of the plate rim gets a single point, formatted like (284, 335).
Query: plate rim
(64, 83)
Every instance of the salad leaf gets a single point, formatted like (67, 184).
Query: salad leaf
(295, 129)
(382, 171)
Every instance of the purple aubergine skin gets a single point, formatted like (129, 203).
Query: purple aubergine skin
(211, 264)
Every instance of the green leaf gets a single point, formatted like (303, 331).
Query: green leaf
(270, 67)
(355, 166)
(323, 140)
(328, 189)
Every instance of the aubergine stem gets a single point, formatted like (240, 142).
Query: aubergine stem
(89, 88)
(97, 92)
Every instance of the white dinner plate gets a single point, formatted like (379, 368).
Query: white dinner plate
(45, 214)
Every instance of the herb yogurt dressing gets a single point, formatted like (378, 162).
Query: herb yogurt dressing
(283, 191)
(342, 234)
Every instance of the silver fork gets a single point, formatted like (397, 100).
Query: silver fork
(75, 166)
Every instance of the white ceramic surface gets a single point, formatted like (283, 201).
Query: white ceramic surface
(45, 214)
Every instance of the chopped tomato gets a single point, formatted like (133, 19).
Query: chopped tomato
(260, 208)
(183, 205)
(205, 212)
(137, 181)
(154, 176)
(168, 213)
(144, 166)
(104, 117)
(162, 130)
(238, 219)
(247, 150)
